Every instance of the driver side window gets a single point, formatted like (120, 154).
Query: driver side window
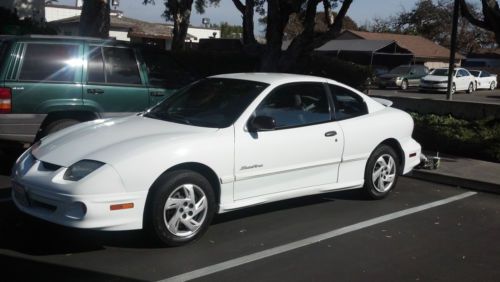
(296, 104)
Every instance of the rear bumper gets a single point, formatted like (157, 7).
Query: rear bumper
(412, 151)
(20, 127)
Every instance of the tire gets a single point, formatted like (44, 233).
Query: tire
(381, 173)
(58, 125)
(471, 88)
(453, 88)
(180, 222)
(404, 84)
(492, 86)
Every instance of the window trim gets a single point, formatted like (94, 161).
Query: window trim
(330, 105)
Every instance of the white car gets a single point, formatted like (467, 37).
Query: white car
(437, 80)
(484, 79)
(221, 144)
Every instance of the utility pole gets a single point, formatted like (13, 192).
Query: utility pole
(453, 49)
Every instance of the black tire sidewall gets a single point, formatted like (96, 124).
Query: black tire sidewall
(162, 190)
(368, 187)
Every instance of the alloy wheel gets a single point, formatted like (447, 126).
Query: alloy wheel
(384, 173)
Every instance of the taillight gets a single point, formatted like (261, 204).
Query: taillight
(5, 100)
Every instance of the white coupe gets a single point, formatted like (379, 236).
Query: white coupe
(223, 143)
(484, 79)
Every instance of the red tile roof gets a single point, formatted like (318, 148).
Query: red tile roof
(420, 47)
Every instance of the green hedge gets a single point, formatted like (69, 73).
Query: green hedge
(478, 139)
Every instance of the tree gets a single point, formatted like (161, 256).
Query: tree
(322, 23)
(491, 16)
(94, 19)
(179, 11)
(247, 12)
(279, 13)
(230, 31)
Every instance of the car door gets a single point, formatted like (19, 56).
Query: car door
(304, 150)
(464, 80)
(113, 83)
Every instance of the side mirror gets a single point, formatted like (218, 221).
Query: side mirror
(261, 123)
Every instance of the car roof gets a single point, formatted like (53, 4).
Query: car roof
(271, 78)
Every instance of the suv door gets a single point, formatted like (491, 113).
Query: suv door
(304, 150)
(113, 82)
(46, 78)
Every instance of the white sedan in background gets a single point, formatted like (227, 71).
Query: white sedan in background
(223, 143)
(484, 79)
(437, 80)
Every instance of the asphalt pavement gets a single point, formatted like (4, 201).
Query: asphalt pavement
(479, 96)
(421, 232)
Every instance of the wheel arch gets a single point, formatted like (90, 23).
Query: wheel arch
(396, 146)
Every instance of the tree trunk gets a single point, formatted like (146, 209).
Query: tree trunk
(181, 24)
(94, 19)
(247, 12)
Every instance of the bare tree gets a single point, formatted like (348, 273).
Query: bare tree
(247, 12)
(94, 19)
(491, 16)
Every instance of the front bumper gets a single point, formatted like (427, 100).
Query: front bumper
(43, 193)
(389, 83)
(433, 86)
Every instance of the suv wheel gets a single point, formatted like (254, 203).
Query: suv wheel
(381, 173)
(180, 208)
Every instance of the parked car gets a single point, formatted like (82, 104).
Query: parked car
(437, 80)
(376, 72)
(484, 79)
(403, 76)
(226, 142)
(51, 82)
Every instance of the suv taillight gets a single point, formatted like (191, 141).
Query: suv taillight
(5, 100)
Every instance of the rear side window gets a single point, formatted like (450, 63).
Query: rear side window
(121, 66)
(485, 74)
(296, 104)
(50, 62)
(463, 73)
(347, 103)
(4, 46)
(95, 67)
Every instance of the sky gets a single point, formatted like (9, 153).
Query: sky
(361, 11)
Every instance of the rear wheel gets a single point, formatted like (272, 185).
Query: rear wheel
(453, 88)
(471, 88)
(381, 173)
(180, 208)
(492, 85)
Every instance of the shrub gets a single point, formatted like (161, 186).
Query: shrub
(477, 139)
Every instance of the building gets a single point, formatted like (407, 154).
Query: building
(424, 51)
(66, 20)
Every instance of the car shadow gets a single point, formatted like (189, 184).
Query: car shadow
(31, 236)
(494, 97)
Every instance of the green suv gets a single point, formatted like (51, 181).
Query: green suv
(403, 76)
(51, 82)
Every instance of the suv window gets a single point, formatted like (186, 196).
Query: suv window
(50, 62)
(95, 67)
(347, 103)
(296, 104)
(120, 66)
(4, 46)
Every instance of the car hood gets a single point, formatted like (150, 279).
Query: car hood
(435, 78)
(87, 140)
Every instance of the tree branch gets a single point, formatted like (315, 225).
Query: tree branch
(339, 20)
(239, 6)
(464, 10)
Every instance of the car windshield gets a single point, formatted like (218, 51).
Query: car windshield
(400, 70)
(475, 73)
(442, 72)
(212, 102)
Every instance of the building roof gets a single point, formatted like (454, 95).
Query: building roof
(420, 47)
(136, 28)
(359, 45)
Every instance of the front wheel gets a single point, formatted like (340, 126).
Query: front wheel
(404, 84)
(180, 208)
(381, 173)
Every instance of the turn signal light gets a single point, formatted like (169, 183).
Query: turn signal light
(5, 100)
(121, 206)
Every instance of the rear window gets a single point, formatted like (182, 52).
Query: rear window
(4, 47)
(50, 62)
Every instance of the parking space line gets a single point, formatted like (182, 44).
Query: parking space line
(310, 240)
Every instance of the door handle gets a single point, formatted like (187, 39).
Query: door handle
(331, 133)
(157, 94)
(95, 91)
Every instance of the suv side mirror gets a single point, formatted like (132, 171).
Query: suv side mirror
(261, 123)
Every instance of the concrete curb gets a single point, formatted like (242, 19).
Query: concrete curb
(454, 180)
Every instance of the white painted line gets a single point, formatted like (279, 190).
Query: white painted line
(308, 241)
(5, 200)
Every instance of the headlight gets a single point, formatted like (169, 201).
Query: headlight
(81, 169)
